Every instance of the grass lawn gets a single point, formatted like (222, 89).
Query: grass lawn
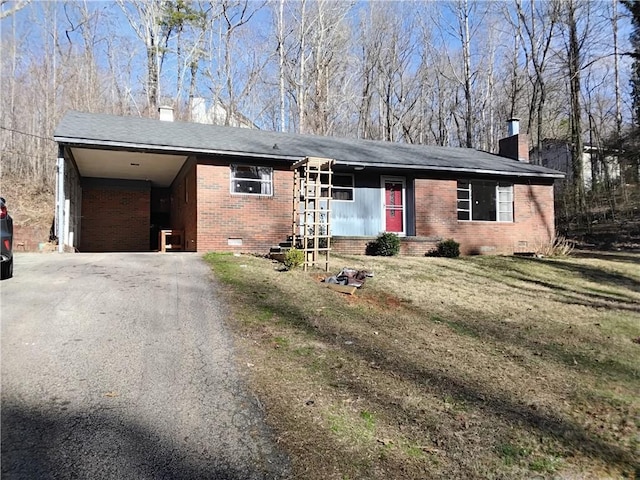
(477, 367)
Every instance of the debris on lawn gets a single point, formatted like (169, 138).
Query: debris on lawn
(342, 288)
(350, 277)
(348, 280)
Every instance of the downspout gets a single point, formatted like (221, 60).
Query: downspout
(60, 199)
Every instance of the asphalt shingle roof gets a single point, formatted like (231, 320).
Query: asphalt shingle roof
(90, 129)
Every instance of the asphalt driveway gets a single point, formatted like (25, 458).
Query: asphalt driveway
(119, 366)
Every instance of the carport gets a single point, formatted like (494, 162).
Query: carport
(116, 196)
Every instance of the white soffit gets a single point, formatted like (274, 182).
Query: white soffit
(157, 168)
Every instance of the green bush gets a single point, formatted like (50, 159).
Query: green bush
(386, 245)
(446, 248)
(293, 258)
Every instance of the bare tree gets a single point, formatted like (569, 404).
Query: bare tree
(467, 17)
(369, 54)
(281, 65)
(146, 20)
(235, 13)
(573, 44)
(616, 71)
(8, 8)
(536, 26)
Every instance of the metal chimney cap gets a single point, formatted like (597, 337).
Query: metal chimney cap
(166, 113)
(513, 125)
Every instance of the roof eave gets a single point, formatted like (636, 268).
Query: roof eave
(478, 171)
(168, 149)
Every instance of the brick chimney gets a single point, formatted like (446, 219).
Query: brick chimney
(516, 145)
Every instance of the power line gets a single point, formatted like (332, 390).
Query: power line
(25, 133)
(23, 154)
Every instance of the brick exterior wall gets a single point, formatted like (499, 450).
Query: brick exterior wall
(350, 245)
(261, 222)
(115, 220)
(436, 217)
(184, 201)
(29, 238)
(258, 222)
(414, 246)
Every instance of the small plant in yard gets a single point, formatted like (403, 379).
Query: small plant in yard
(369, 419)
(557, 247)
(511, 454)
(446, 248)
(544, 465)
(386, 245)
(293, 258)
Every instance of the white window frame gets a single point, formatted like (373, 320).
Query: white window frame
(504, 208)
(466, 198)
(260, 182)
(352, 188)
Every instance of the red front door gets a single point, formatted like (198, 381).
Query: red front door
(393, 206)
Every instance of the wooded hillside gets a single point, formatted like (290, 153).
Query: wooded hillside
(443, 73)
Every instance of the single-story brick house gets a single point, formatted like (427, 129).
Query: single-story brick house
(120, 179)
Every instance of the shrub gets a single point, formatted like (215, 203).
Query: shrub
(293, 258)
(446, 248)
(386, 245)
(558, 247)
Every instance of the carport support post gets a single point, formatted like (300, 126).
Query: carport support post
(60, 199)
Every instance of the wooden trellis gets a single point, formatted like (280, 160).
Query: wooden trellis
(312, 210)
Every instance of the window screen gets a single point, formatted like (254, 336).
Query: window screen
(251, 180)
(485, 201)
(342, 187)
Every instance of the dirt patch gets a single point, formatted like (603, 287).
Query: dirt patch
(378, 300)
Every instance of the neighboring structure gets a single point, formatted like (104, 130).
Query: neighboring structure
(121, 179)
(598, 165)
(216, 114)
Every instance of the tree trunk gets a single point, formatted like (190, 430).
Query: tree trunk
(616, 71)
(577, 165)
(466, 54)
(301, 74)
(281, 64)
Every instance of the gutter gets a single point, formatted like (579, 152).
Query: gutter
(457, 169)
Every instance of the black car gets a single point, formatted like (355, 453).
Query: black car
(6, 241)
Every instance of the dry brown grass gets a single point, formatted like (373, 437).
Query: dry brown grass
(483, 367)
(29, 204)
(559, 246)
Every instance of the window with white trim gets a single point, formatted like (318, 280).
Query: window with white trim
(342, 187)
(251, 180)
(482, 200)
